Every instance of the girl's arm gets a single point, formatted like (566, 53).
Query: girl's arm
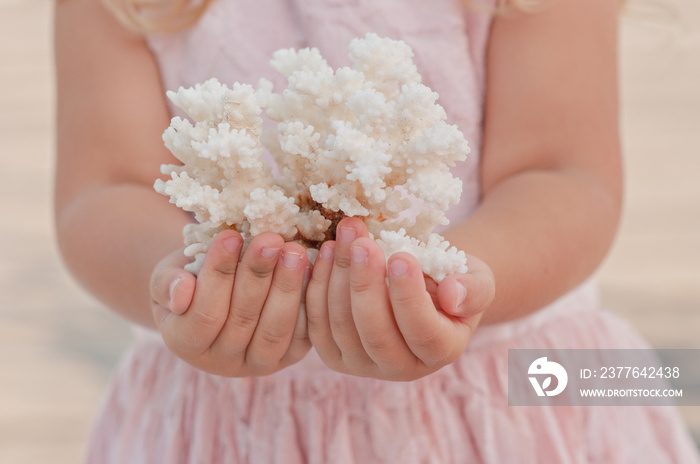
(123, 241)
(111, 228)
(551, 194)
(551, 166)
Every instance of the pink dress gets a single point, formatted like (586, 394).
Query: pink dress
(161, 410)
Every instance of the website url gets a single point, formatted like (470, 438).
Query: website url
(630, 393)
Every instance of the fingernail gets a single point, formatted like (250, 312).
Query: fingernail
(171, 290)
(359, 255)
(232, 244)
(268, 253)
(326, 251)
(461, 294)
(290, 259)
(347, 234)
(398, 267)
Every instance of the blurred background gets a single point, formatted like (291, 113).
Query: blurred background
(58, 346)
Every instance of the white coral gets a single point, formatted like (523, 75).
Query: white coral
(271, 211)
(437, 257)
(364, 141)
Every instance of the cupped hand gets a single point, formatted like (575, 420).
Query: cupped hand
(235, 318)
(371, 319)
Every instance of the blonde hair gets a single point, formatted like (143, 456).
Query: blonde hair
(156, 16)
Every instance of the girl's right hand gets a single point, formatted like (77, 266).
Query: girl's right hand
(234, 319)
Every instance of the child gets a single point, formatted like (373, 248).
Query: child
(234, 370)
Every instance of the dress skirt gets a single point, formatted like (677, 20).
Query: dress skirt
(159, 409)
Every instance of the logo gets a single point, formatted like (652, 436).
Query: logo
(543, 367)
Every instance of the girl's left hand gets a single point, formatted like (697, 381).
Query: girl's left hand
(405, 330)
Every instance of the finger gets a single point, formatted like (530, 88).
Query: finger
(311, 255)
(465, 295)
(301, 343)
(171, 286)
(194, 331)
(317, 321)
(250, 289)
(429, 334)
(181, 290)
(431, 287)
(275, 329)
(339, 300)
(371, 309)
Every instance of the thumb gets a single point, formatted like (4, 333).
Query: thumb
(465, 295)
(172, 288)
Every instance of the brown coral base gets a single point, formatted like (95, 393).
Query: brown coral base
(334, 216)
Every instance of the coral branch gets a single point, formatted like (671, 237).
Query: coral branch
(366, 141)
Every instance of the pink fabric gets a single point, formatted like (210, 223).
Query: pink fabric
(161, 410)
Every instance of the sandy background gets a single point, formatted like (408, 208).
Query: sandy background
(58, 346)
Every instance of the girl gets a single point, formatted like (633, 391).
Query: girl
(227, 369)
